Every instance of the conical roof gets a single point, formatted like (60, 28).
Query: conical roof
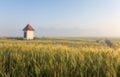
(28, 27)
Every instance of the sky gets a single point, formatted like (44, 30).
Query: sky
(81, 18)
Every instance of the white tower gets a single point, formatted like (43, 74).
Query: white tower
(28, 32)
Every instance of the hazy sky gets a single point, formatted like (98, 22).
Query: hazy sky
(99, 18)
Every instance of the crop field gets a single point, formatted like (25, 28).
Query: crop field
(60, 57)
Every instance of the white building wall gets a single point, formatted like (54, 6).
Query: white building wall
(29, 35)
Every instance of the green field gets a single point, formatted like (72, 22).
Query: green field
(60, 57)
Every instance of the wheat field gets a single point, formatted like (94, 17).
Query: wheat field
(67, 57)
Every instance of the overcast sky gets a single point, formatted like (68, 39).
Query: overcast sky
(94, 18)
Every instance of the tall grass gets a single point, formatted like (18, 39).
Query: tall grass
(58, 59)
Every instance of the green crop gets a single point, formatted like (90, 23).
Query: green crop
(59, 58)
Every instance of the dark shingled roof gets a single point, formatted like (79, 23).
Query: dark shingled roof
(28, 27)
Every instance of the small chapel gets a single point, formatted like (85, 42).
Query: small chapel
(28, 32)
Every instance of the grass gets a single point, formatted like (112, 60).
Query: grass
(65, 57)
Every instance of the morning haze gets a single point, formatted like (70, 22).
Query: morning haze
(94, 18)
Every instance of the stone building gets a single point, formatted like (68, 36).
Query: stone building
(28, 32)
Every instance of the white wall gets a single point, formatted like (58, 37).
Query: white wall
(29, 35)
